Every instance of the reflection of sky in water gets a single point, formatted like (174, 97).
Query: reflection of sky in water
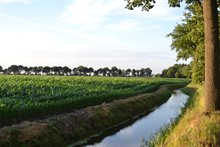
(146, 126)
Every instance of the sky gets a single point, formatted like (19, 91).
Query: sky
(92, 33)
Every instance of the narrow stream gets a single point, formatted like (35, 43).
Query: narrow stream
(132, 134)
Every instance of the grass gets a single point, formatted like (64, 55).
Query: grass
(194, 128)
(24, 97)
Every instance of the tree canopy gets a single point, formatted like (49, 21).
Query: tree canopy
(211, 41)
(188, 41)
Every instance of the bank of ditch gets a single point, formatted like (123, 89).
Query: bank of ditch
(61, 130)
(195, 127)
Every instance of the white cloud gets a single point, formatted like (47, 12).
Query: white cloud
(90, 11)
(73, 32)
(124, 26)
(95, 14)
(14, 1)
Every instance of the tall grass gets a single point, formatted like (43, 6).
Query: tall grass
(159, 138)
(194, 127)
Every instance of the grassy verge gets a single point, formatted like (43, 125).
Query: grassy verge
(195, 127)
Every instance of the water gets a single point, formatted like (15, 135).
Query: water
(143, 128)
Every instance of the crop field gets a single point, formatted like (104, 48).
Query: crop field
(24, 97)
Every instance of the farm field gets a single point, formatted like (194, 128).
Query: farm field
(24, 97)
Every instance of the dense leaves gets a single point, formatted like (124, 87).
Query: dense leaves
(177, 71)
(188, 41)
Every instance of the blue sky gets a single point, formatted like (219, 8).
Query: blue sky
(96, 33)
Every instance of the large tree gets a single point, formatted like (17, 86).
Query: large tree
(188, 41)
(212, 74)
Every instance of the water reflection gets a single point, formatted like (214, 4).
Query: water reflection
(144, 127)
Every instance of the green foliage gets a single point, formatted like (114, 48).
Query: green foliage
(146, 5)
(188, 37)
(188, 41)
(23, 97)
(177, 71)
(159, 138)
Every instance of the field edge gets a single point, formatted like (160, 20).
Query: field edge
(67, 128)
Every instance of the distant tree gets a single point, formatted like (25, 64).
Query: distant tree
(142, 72)
(100, 72)
(177, 71)
(26, 70)
(187, 71)
(46, 70)
(138, 73)
(81, 70)
(114, 71)
(133, 72)
(128, 72)
(66, 70)
(164, 73)
(13, 69)
(90, 70)
(171, 72)
(60, 70)
(120, 73)
(39, 69)
(124, 73)
(21, 69)
(148, 72)
(31, 72)
(106, 71)
(74, 72)
(57, 70)
(1, 69)
(54, 70)
(96, 72)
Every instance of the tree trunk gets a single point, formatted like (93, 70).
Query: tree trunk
(212, 74)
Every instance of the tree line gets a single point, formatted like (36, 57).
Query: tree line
(78, 71)
(177, 71)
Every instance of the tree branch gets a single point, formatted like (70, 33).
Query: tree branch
(200, 4)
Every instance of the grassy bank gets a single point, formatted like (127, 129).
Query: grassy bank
(195, 127)
(70, 127)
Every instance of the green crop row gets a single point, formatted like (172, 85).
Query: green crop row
(25, 97)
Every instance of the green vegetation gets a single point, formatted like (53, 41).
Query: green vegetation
(177, 71)
(196, 38)
(78, 71)
(61, 130)
(195, 127)
(23, 97)
(188, 41)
